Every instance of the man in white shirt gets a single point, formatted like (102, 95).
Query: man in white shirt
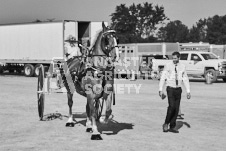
(173, 74)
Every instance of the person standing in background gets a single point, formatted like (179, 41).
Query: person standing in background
(179, 116)
(71, 48)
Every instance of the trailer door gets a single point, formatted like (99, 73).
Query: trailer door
(70, 30)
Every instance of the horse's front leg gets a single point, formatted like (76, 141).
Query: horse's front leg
(93, 114)
(88, 119)
(70, 122)
(107, 111)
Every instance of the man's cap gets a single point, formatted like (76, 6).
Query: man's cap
(71, 39)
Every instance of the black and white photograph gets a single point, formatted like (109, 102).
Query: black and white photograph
(112, 75)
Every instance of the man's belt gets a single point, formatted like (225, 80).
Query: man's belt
(174, 87)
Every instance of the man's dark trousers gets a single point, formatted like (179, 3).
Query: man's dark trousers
(174, 97)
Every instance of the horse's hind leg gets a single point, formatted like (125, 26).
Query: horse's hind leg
(70, 122)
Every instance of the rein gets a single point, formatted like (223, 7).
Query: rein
(96, 68)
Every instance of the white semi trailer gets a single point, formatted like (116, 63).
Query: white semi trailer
(23, 47)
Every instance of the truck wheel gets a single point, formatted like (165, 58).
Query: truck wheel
(224, 79)
(29, 70)
(36, 73)
(11, 71)
(210, 76)
(18, 70)
(1, 69)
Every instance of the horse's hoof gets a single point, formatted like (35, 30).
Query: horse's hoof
(96, 137)
(89, 130)
(70, 124)
(104, 121)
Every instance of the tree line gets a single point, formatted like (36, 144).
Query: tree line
(148, 23)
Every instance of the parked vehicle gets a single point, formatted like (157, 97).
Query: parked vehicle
(24, 47)
(135, 58)
(158, 66)
(198, 64)
(204, 64)
(1, 67)
(146, 63)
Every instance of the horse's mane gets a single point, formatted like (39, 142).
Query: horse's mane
(98, 33)
(97, 45)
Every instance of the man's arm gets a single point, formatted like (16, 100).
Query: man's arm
(163, 79)
(186, 83)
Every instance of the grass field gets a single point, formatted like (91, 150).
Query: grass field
(137, 122)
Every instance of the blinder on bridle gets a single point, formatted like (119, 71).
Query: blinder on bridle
(107, 47)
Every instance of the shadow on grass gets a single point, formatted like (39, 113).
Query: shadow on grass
(53, 116)
(12, 74)
(112, 128)
(180, 124)
(204, 81)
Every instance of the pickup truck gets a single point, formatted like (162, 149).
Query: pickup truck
(146, 62)
(198, 64)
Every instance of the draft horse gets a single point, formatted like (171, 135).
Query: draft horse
(93, 78)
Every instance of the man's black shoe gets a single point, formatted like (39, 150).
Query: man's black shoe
(165, 127)
(180, 117)
(173, 130)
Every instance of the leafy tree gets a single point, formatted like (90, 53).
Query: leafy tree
(137, 23)
(174, 31)
(198, 32)
(212, 30)
(121, 18)
(216, 31)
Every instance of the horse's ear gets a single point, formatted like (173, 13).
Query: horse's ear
(114, 26)
(104, 27)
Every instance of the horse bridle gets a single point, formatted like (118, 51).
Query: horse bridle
(107, 49)
(105, 55)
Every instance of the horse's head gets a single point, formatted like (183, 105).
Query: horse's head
(106, 43)
(109, 40)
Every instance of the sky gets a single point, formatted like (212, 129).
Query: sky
(187, 11)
